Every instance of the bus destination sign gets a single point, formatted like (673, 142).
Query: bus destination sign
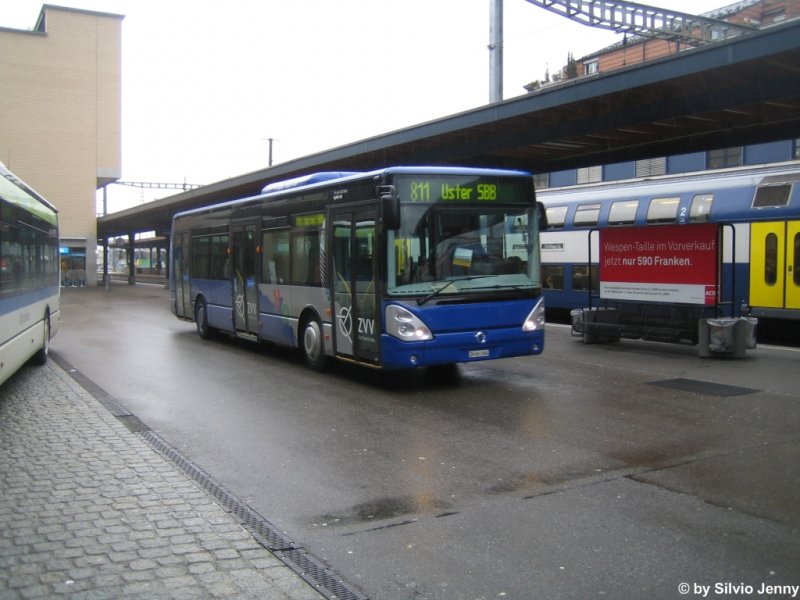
(421, 189)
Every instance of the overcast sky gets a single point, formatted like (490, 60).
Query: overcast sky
(205, 84)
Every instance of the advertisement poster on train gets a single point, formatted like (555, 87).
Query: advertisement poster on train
(670, 263)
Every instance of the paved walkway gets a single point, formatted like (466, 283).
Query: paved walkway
(89, 510)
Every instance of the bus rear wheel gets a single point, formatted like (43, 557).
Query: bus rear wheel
(313, 345)
(201, 319)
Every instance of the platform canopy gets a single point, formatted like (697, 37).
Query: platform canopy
(745, 90)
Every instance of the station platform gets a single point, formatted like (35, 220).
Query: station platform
(88, 509)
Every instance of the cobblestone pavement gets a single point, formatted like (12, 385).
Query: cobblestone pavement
(89, 510)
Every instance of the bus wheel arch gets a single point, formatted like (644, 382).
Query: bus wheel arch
(201, 317)
(311, 340)
(40, 358)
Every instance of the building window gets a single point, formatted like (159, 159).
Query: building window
(725, 157)
(776, 15)
(590, 174)
(651, 167)
(591, 67)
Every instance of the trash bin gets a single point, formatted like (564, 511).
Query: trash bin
(598, 325)
(576, 315)
(721, 335)
(726, 337)
(749, 325)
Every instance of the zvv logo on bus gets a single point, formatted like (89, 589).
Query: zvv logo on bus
(345, 320)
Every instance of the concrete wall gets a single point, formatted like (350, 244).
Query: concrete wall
(60, 113)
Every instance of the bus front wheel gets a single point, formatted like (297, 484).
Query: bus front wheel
(313, 345)
(40, 358)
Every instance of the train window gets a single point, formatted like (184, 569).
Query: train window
(663, 210)
(583, 277)
(623, 212)
(796, 273)
(772, 195)
(701, 208)
(556, 216)
(586, 215)
(553, 277)
(771, 259)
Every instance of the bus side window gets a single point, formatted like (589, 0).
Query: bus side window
(306, 256)
(200, 252)
(275, 256)
(219, 257)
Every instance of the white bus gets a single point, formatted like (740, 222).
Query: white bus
(29, 275)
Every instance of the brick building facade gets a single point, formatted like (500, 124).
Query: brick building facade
(635, 50)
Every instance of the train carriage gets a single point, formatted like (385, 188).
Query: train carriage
(760, 251)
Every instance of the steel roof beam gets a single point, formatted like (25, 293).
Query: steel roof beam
(643, 20)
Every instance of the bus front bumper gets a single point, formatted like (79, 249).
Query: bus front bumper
(449, 348)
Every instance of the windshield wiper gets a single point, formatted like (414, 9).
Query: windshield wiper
(450, 282)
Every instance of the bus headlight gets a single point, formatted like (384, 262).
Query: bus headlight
(403, 325)
(535, 319)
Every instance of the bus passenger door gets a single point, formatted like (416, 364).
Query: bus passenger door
(245, 286)
(180, 276)
(354, 261)
(774, 255)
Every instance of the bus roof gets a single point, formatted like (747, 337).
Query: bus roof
(316, 180)
(17, 192)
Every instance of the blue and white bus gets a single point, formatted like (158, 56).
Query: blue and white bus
(398, 268)
(29, 275)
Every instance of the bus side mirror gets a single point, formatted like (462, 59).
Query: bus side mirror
(541, 216)
(390, 208)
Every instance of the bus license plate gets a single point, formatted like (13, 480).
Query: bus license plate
(479, 353)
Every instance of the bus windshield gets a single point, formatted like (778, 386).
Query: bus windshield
(445, 250)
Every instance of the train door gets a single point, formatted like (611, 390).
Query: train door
(774, 258)
(245, 286)
(180, 275)
(354, 260)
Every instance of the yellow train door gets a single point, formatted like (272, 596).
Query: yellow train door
(774, 263)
